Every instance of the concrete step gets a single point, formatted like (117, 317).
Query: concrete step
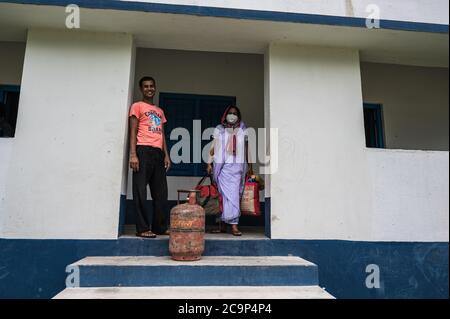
(215, 292)
(150, 271)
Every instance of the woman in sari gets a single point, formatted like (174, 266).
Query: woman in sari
(229, 165)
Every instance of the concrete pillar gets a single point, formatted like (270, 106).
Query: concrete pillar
(66, 160)
(322, 188)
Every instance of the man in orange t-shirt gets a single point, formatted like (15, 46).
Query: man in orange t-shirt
(149, 160)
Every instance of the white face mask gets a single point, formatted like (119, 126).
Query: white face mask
(232, 118)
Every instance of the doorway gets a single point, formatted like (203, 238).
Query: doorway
(188, 82)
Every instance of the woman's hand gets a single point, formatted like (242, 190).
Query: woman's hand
(209, 169)
(134, 162)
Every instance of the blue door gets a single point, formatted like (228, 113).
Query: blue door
(180, 111)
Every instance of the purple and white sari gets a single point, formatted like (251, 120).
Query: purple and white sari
(230, 169)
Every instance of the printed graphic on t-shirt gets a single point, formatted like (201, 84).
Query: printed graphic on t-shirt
(154, 122)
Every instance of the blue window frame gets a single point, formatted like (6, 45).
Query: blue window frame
(180, 111)
(373, 125)
(9, 106)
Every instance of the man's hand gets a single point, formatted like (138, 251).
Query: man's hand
(134, 162)
(167, 162)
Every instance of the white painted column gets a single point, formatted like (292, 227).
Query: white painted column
(267, 125)
(321, 189)
(65, 166)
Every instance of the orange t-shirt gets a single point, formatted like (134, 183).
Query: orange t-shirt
(150, 124)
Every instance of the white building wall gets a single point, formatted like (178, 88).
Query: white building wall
(335, 189)
(65, 163)
(126, 170)
(428, 11)
(189, 72)
(267, 124)
(410, 195)
(329, 185)
(322, 188)
(414, 101)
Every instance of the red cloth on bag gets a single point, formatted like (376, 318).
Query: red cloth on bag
(209, 197)
(208, 190)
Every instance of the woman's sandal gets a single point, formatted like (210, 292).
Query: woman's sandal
(146, 234)
(235, 232)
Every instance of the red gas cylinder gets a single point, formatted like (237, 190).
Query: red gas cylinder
(187, 229)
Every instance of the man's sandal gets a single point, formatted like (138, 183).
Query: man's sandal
(146, 234)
